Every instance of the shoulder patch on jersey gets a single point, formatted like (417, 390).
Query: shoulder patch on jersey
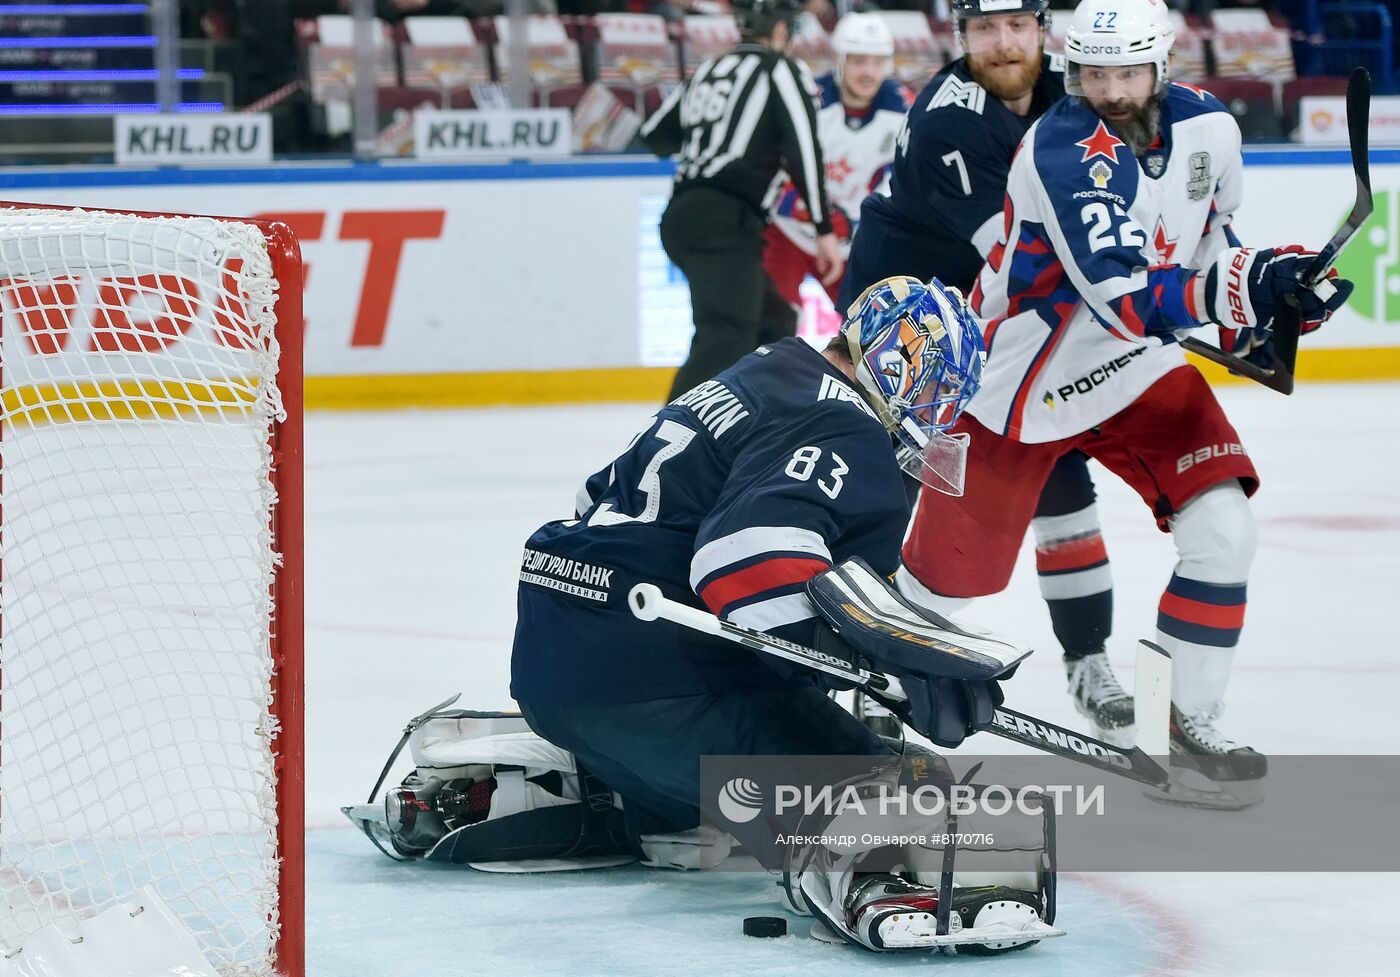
(954, 92)
(834, 389)
(1200, 183)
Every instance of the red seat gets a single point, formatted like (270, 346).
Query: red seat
(407, 98)
(1296, 88)
(1251, 102)
(563, 97)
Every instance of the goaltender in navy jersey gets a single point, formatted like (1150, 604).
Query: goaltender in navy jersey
(948, 180)
(1082, 295)
(857, 146)
(731, 498)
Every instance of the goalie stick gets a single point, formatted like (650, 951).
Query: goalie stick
(1288, 323)
(649, 604)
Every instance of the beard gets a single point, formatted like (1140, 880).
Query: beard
(1140, 129)
(1007, 82)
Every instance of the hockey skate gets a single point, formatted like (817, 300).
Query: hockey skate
(889, 912)
(1210, 770)
(1100, 699)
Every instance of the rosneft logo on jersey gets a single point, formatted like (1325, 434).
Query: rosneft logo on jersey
(1090, 380)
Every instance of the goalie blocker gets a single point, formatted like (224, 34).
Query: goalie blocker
(949, 672)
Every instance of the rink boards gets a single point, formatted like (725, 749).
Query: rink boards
(546, 282)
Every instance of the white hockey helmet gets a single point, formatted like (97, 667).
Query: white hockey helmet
(1116, 33)
(862, 34)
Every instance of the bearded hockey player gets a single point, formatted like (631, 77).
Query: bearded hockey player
(1116, 241)
(942, 207)
(862, 110)
(939, 219)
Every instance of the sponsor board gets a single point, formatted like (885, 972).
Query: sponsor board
(463, 274)
(491, 133)
(222, 138)
(1322, 120)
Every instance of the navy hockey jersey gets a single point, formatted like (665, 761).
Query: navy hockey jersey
(948, 182)
(730, 499)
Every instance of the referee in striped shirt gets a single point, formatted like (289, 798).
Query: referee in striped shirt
(739, 121)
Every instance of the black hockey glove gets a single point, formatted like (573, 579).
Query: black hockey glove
(948, 710)
(1244, 286)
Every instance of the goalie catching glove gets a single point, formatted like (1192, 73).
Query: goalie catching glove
(950, 673)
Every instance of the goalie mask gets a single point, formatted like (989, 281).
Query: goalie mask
(918, 357)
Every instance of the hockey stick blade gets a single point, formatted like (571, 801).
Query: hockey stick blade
(1278, 376)
(649, 604)
(1152, 699)
(1288, 324)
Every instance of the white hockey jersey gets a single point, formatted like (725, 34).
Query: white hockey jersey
(858, 150)
(1082, 297)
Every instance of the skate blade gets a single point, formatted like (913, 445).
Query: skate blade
(360, 813)
(1189, 788)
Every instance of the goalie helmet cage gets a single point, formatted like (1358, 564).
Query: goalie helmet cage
(151, 577)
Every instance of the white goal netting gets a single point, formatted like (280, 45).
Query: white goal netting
(138, 371)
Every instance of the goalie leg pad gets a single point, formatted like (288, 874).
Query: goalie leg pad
(488, 792)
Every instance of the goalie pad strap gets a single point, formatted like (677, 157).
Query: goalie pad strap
(873, 618)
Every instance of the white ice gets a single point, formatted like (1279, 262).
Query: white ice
(415, 522)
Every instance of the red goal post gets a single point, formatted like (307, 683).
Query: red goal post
(151, 576)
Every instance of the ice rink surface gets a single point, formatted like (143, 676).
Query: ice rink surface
(415, 522)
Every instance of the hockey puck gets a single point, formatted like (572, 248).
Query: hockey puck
(765, 926)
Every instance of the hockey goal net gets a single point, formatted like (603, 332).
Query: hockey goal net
(150, 576)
